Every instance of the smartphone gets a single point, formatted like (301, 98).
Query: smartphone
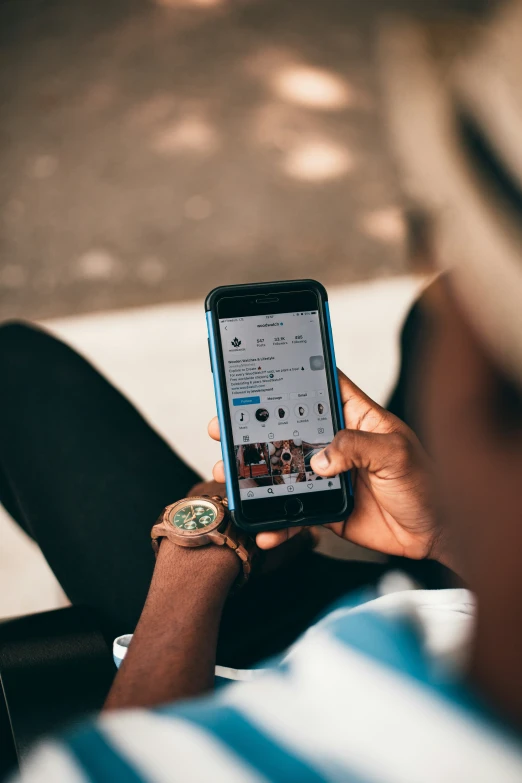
(278, 402)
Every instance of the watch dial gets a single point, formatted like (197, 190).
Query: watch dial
(194, 516)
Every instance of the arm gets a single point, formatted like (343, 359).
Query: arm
(173, 650)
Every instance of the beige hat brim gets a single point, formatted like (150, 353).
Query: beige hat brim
(475, 234)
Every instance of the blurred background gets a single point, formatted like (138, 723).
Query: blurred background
(153, 149)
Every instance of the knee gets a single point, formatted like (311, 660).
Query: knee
(18, 342)
(13, 333)
(32, 359)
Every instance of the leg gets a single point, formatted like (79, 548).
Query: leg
(82, 473)
(275, 609)
(85, 475)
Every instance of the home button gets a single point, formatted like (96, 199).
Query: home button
(293, 507)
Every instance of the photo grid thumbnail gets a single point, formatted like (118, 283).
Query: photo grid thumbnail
(276, 462)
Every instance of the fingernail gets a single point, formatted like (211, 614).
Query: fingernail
(321, 461)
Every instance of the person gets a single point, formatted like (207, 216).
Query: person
(368, 693)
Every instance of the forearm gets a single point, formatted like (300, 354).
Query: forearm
(173, 650)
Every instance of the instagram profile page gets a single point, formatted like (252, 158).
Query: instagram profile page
(279, 402)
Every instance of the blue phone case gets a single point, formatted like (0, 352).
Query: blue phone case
(222, 406)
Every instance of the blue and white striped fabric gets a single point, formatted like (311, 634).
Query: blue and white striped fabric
(356, 700)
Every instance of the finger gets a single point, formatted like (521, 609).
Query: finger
(360, 411)
(218, 472)
(350, 392)
(213, 428)
(273, 538)
(358, 449)
(207, 488)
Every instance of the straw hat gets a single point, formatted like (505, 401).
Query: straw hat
(456, 129)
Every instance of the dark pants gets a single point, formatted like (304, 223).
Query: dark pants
(86, 477)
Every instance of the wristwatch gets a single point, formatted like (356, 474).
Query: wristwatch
(202, 520)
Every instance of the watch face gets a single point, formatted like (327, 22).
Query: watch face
(193, 516)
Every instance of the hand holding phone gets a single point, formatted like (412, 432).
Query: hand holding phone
(393, 511)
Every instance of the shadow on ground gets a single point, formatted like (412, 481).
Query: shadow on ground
(151, 149)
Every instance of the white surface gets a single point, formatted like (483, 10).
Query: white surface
(159, 357)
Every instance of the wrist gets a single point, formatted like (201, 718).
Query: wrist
(214, 567)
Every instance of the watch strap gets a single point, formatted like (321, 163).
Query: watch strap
(243, 546)
(229, 535)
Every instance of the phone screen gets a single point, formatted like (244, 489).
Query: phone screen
(279, 402)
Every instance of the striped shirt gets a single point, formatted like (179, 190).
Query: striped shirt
(371, 693)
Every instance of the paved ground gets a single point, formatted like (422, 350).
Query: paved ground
(151, 149)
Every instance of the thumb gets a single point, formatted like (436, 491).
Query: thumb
(361, 412)
(373, 451)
